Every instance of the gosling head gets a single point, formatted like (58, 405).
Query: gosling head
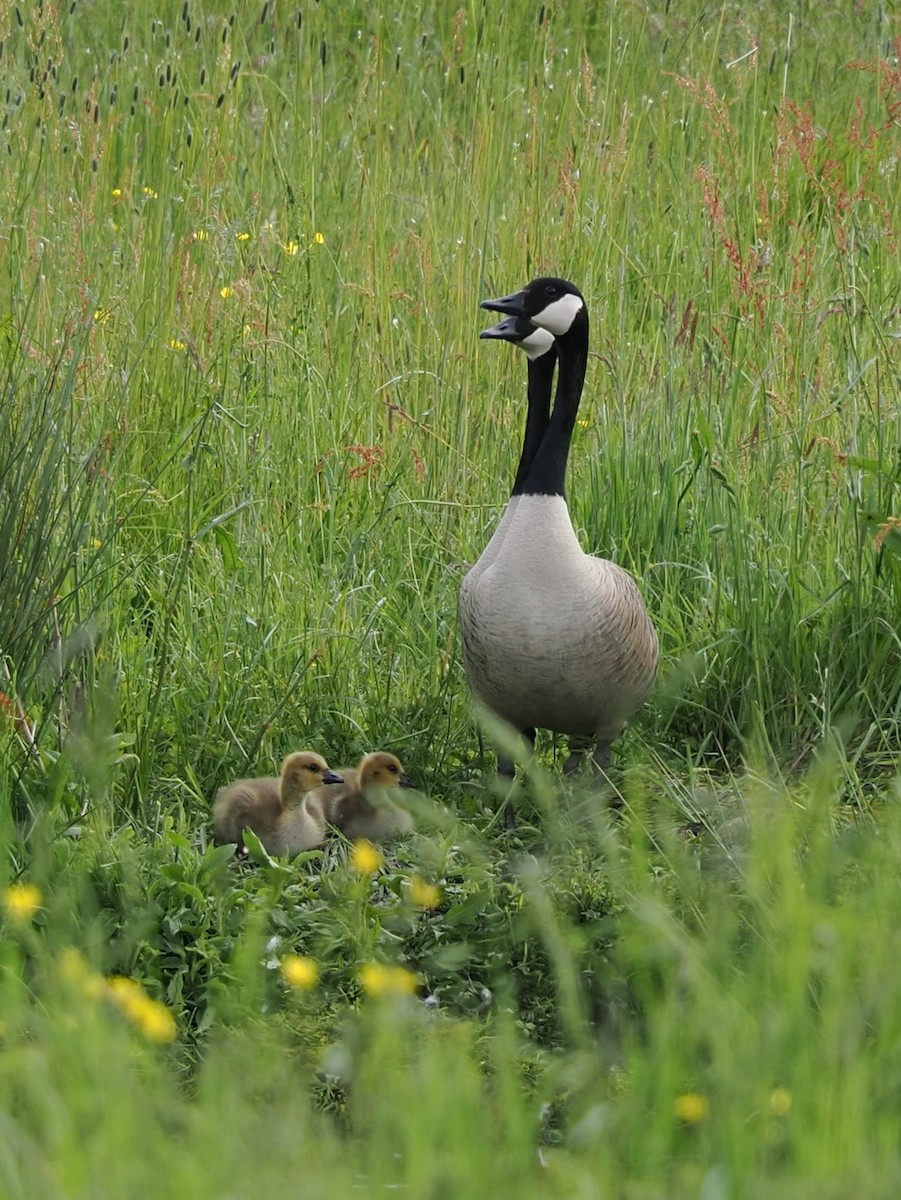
(534, 341)
(303, 771)
(383, 770)
(550, 303)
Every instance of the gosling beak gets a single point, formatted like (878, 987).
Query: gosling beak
(332, 777)
(406, 781)
(514, 305)
(511, 329)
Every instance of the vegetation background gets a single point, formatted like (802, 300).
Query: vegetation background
(249, 443)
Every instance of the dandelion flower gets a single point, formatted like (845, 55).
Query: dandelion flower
(300, 972)
(150, 1016)
(242, 237)
(22, 901)
(691, 1107)
(364, 857)
(291, 247)
(424, 895)
(226, 292)
(780, 1102)
(117, 193)
(377, 979)
(318, 239)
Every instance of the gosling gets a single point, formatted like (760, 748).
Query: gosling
(360, 806)
(274, 808)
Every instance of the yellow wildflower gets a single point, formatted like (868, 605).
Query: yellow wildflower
(150, 1016)
(364, 857)
(22, 901)
(175, 344)
(102, 315)
(117, 193)
(319, 239)
(691, 1107)
(226, 292)
(200, 235)
(424, 895)
(242, 237)
(300, 972)
(377, 979)
(291, 247)
(780, 1102)
(150, 193)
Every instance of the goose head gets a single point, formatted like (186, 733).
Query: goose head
(530, 338)
(553, 304)
(303, 771)
(383, 770)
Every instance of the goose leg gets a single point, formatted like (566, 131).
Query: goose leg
(507, 768)
(579, 749)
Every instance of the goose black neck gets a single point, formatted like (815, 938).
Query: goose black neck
(541, 379)
(547, 476)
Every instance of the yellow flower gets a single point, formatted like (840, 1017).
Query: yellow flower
(377, 979)
(584, 422)
(200, 235)
(364, 857)
(117, 193)
(691, 1107)
(102, 315)
(242, 237)
(780, 1102)
(300, 972)
(424, 895)
(150, 1016)
(96, 543)
(175, 344)
(226, 292)
(150, 193)
(319, 239)
(291, 247)
(22, 901)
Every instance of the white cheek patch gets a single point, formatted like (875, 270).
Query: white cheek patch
(537, 343)
(558, 316)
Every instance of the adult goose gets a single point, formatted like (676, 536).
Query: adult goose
(554, 638)
(263, 804)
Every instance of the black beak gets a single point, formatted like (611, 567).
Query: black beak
(406, 781)
(514, 305)
(511, 329)
(332, 777)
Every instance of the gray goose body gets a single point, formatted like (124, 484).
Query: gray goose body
(555, 638)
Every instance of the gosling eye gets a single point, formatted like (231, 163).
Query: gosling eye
(392, 768)
(315, 768)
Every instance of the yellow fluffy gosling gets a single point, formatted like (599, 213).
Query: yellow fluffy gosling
(267, 805)
(360, 806)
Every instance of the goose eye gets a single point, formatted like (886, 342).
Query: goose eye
(392, 768)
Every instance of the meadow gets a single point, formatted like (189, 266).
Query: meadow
(249, 444)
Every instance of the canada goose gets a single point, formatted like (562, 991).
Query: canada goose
(552, 637)
(261, 804)
(360, 807)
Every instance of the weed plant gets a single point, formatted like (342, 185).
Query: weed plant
(249, 443)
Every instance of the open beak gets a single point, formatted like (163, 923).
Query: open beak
(511, 329)
(332, 777)
(514, 305)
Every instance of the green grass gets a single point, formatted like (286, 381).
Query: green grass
(249, 442)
